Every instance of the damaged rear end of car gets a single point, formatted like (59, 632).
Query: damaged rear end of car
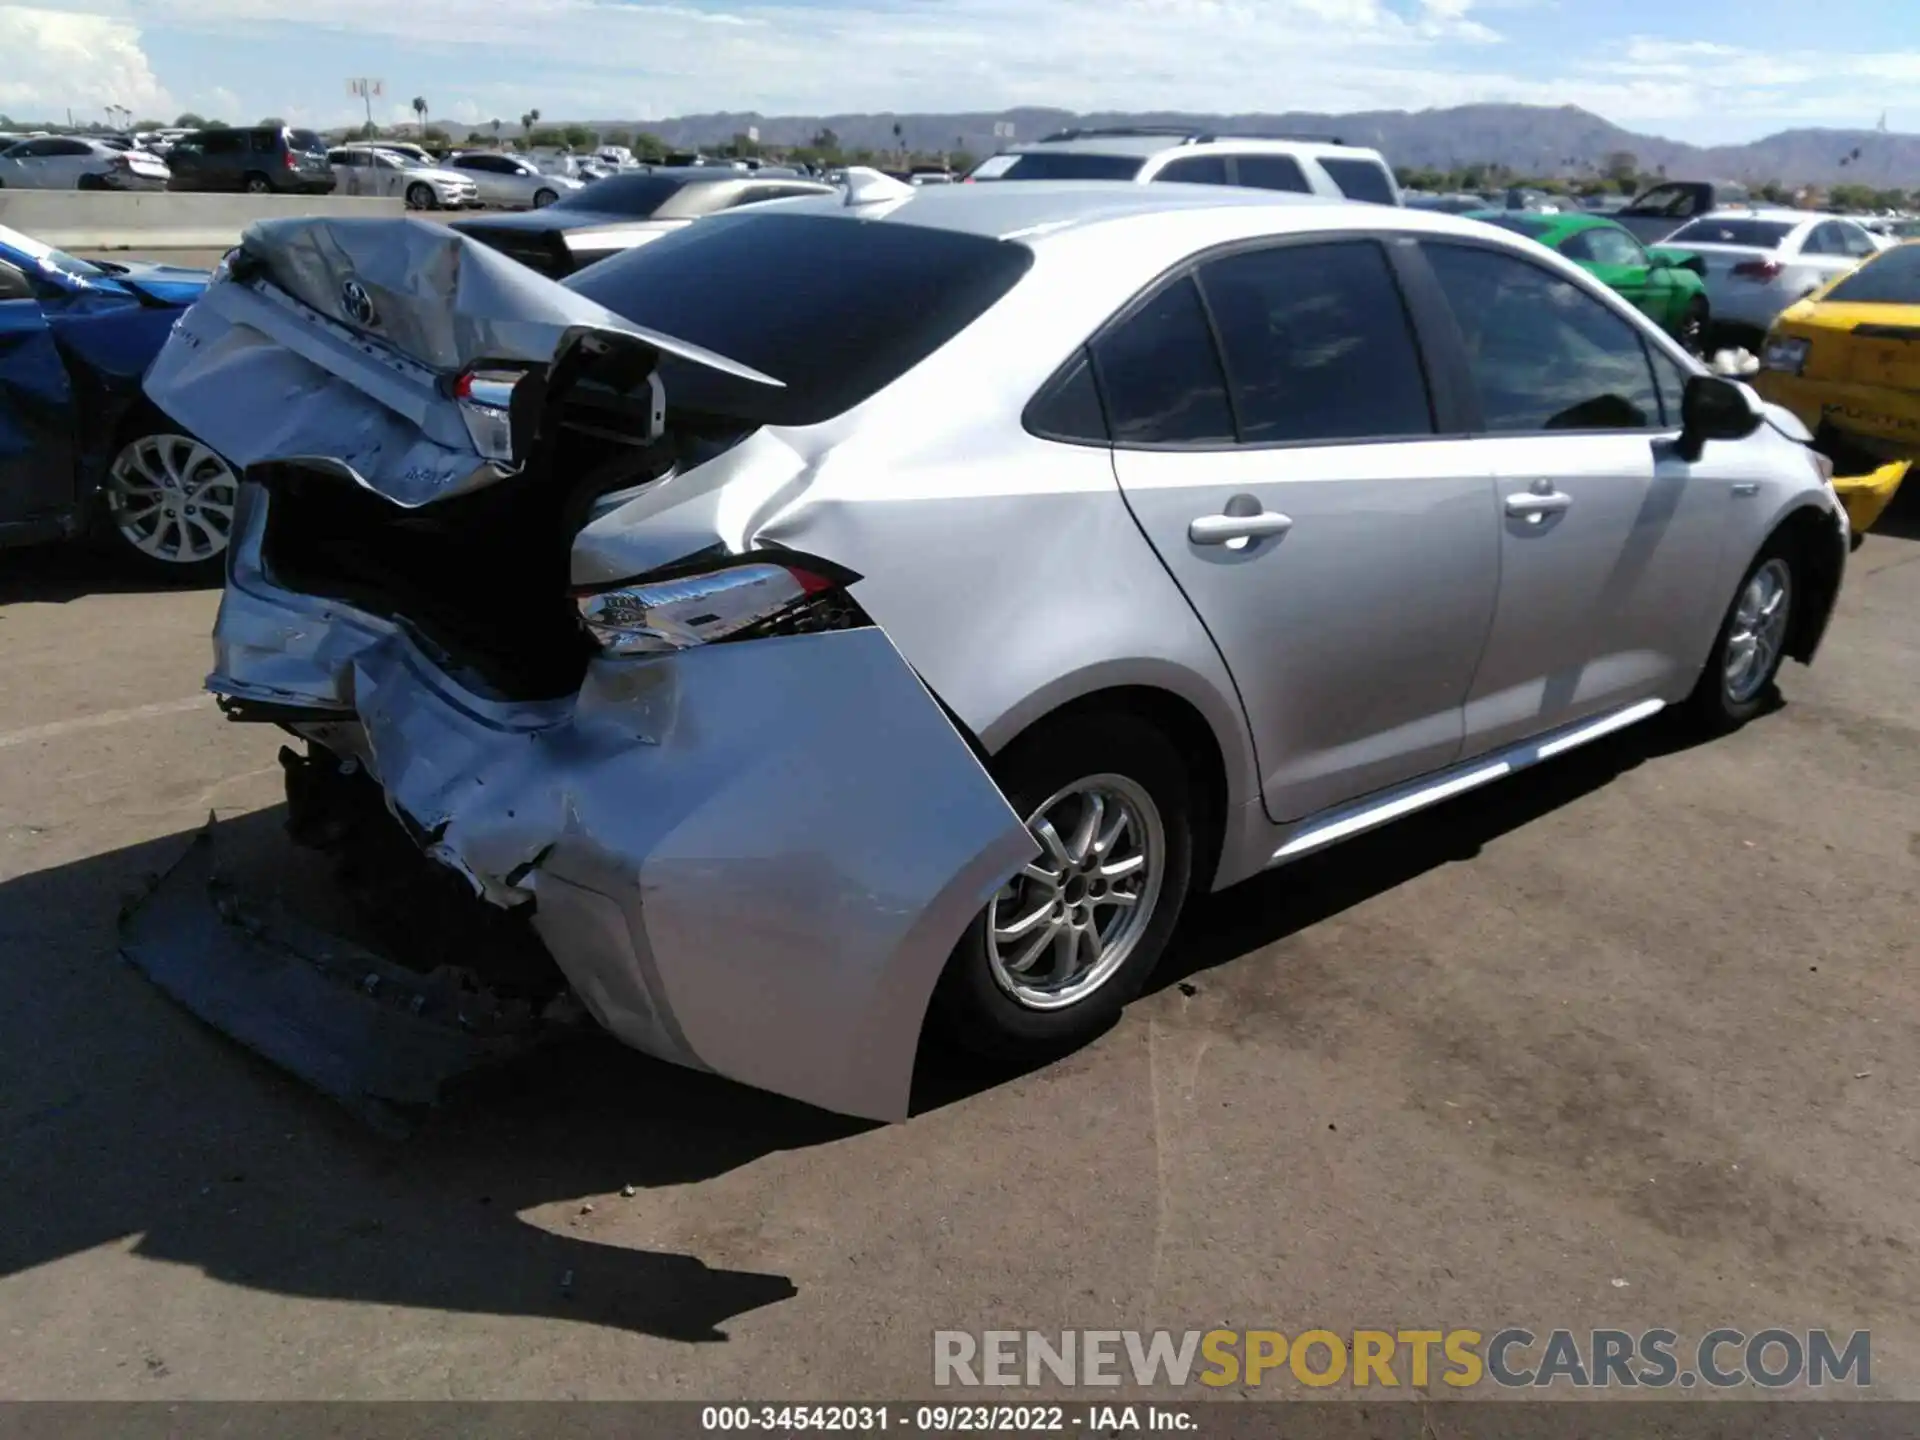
(705, 784)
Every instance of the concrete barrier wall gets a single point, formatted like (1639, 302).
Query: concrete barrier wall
(96, 220)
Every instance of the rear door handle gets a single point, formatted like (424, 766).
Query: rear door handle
(1537, 504)
(1219, 529)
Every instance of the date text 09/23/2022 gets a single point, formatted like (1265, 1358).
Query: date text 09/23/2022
(945, 1419)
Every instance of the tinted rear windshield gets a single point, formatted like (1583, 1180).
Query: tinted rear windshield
(1760, 234)
(305, 140)
(1072, 165)
(1892, 279)
(635, 195)
(835, 308)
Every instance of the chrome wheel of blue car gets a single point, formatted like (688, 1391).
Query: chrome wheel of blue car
(171, 499)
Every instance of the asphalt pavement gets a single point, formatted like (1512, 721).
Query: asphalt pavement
(1628, 1041)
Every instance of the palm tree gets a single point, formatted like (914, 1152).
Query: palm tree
(528, 121)
(899, 139)
(420, 110)
(496, 132)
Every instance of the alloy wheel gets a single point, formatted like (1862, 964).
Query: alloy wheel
(1758, 630)
(1063, 926)
(171, 498)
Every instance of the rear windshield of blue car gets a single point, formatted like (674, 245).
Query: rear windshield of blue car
(1891, 279)
(837, 308)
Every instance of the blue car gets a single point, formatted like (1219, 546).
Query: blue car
(82, 451)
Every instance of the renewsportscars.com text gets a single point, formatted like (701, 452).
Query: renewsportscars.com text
(1512, 1357)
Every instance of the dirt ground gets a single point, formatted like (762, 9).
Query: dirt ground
(1629, 1041)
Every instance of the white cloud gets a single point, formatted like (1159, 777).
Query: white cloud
(51, 60)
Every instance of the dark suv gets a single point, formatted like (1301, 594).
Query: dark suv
(262, 160)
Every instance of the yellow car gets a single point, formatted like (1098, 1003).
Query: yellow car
(1846, 360)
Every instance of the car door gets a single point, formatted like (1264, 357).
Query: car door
(1275, 436)
(1608, 541)
(490, 177)
(36, 408)
(346, 171)
(63, 162)
(383, 176)
(1824, 256)
(29, 168)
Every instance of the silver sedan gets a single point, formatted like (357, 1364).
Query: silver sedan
(510, 181)
(854, 613)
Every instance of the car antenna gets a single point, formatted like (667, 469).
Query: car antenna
(867, 186)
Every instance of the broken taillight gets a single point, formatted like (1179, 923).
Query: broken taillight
(763, 594)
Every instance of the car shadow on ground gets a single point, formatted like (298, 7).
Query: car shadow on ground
(126, 1122)
(1222, 927)
(56, 574)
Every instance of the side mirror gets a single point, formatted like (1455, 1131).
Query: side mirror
(14, 284)
(1713, 408)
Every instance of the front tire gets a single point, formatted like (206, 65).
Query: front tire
(1739, 676)
(1695, 321)
(421, 197)
(544, 198)
(167, 506)
(1064, 945)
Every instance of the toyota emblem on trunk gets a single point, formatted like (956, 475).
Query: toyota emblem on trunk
(359, 304)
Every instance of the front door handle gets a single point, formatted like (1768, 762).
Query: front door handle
(1223, 529)
(1538, 503)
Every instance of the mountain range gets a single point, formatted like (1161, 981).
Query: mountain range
(1535, 140)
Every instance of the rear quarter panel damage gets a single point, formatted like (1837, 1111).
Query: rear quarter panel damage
(749, 859)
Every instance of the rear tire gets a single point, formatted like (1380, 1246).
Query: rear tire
(1747, 653)
(90, 182)
(258, 184)
(1056, 954)
(544, 198)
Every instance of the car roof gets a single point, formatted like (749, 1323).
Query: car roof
(1146, 146)
(1033, 210)
(1779, 214)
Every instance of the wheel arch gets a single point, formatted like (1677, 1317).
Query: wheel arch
(1818, 540)
(1170, 707)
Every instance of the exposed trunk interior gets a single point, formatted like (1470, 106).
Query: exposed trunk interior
(482, 579)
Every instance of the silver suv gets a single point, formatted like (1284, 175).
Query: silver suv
(1303, 164)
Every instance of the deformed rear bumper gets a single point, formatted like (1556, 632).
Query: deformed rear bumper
(750, 858)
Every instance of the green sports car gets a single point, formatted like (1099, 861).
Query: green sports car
(1668, 285)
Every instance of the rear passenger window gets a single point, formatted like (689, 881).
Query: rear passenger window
(1069, 407)
(1272, 172)
(1197, 170)
(1317, 344)
(1361, 180)
(263, 142)
(1160, 374)
(1544, 354)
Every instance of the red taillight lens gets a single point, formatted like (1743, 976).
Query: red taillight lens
(1758, 269)
(291, 160)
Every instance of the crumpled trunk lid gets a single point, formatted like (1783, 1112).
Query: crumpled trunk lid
(342, 343)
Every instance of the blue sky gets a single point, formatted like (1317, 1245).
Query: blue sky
(1701, 70)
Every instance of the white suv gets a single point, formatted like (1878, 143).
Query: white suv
(1305, 165)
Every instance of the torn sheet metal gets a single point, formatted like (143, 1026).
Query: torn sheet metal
(382, 1040)
(749, 859)
(338, 341)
